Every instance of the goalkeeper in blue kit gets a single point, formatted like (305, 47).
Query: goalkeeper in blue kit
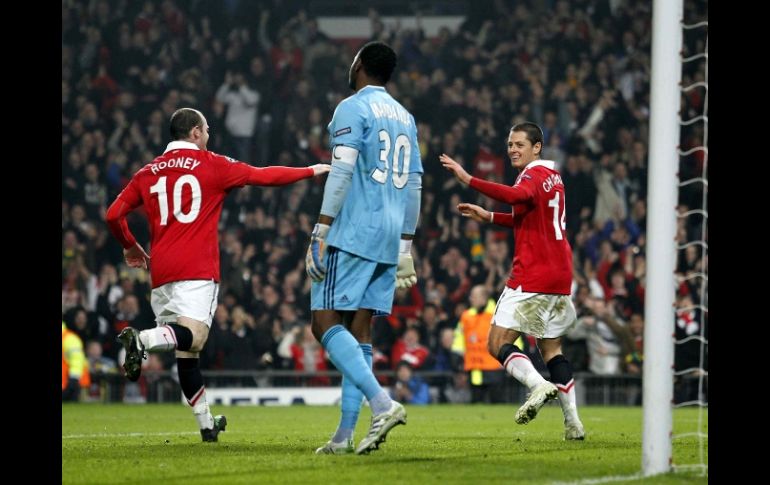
(360, 249)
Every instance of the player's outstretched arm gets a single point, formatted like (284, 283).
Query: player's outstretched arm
(320, 169)
(479, 214)
(475, 212)
(278, 175)
(499, 192)
(454, 167)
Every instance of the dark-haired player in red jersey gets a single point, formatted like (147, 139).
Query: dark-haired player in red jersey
(183, 191)
(536, 300)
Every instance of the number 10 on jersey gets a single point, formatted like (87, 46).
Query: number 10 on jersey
(195, 207)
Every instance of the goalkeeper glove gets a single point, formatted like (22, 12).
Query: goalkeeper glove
(315, 252)
(406, 277)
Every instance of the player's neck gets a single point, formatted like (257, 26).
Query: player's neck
(368, 82)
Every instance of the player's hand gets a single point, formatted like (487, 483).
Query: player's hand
(320, 169)
(136, 257)
(315, 253)
(475, 212)
(406, 276)
(455, 168)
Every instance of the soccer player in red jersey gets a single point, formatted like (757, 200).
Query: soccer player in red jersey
(536, 300)
(183, 191)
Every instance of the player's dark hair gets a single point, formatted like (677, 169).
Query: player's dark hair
(378, 60)
(534, 133)
(182, 121)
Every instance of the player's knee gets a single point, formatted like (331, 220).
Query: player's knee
(198, 344)
(548, 355)
(199, 340)
(549, 349)
(318, 332)
(319, 327)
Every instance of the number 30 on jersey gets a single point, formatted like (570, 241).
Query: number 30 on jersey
(402, 144)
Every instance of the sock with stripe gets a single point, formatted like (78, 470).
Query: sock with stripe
(166, 338)
(352, 398)
(517, 364)
(561, 375)
(347, 357)
(191, 380)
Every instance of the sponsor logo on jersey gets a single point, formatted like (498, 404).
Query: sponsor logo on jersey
(343, 131)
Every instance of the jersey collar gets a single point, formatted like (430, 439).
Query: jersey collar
(370, 86)
(549, 164)
(180, 144)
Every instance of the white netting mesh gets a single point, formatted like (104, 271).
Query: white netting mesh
(691, 334)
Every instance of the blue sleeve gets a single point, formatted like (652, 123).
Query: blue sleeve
(415, 164)
(413, 191)
(348, 125)
(336, 188)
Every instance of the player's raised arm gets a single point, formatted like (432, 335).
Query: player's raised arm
(499, 192)
(457, 170)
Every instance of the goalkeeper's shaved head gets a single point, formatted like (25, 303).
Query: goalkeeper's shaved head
(377, 59)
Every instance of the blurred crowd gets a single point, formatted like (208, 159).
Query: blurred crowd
(268, 81)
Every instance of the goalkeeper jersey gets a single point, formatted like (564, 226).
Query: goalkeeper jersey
(371, 219)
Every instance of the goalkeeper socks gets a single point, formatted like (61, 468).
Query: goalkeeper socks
(561, 375)
(346, 355)
(519, 366)
(166, 337)
(351, 402)
(191, 380)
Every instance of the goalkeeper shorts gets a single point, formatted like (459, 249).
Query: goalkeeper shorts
(354, 283)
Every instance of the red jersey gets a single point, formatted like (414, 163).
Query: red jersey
(183, 191)
(542, 258)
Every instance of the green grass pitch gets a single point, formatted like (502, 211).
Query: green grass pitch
(150, 443)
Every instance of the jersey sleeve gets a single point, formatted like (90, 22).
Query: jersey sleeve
(233, 173)
(504, 219)
(415, 164)
(129, 199)
(524, 190)
(348, 125)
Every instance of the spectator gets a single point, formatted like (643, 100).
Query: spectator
(409, 388)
